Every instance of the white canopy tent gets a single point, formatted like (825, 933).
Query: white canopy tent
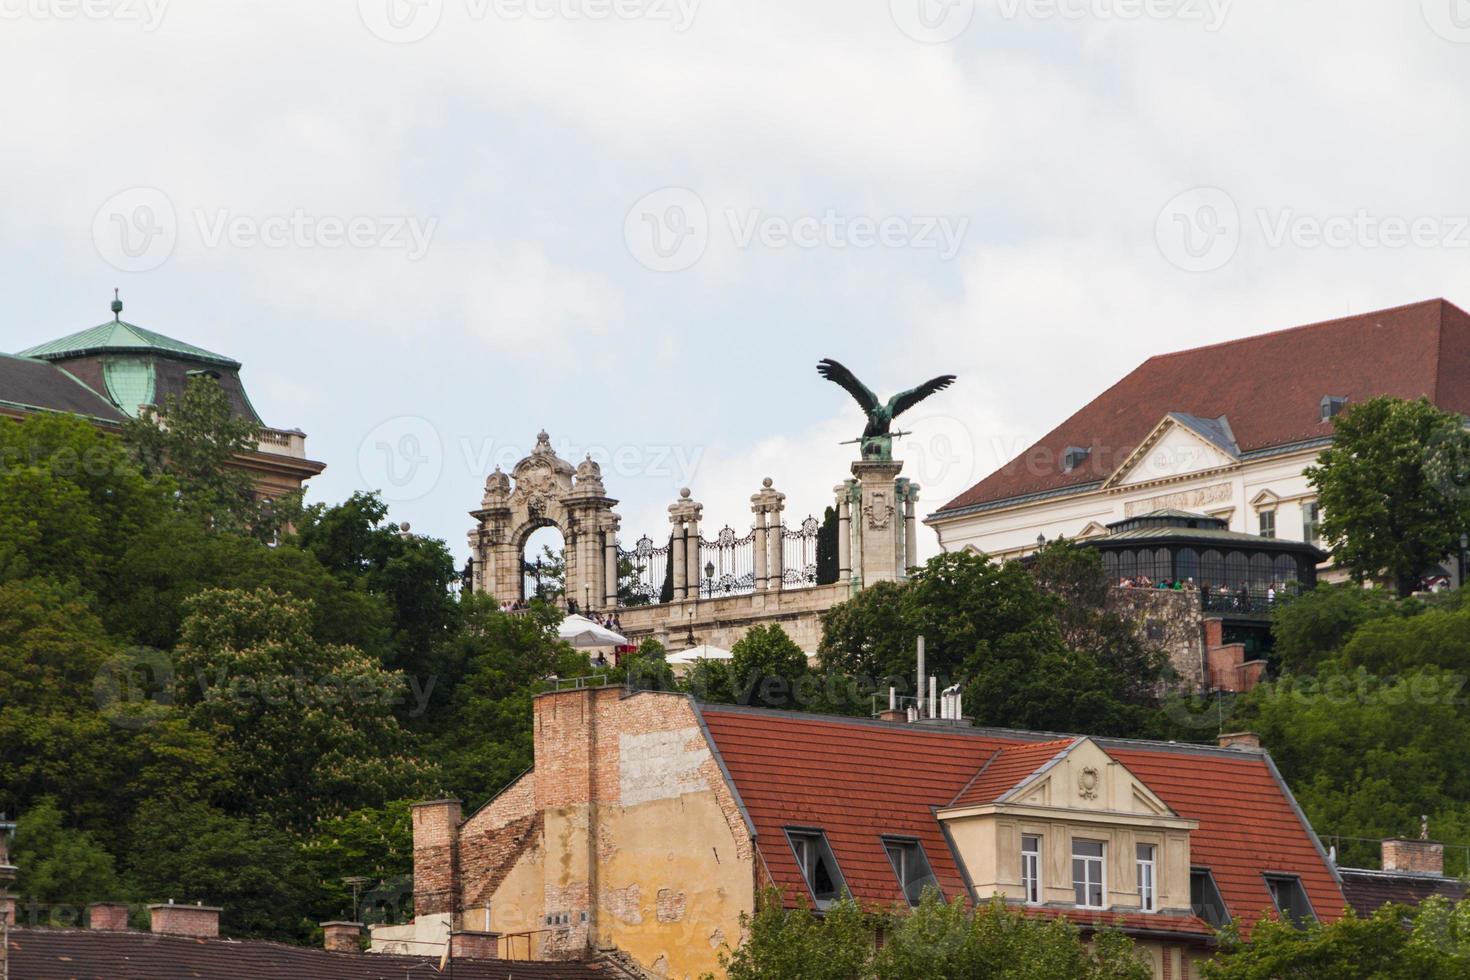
(583, 633)
(702, 652)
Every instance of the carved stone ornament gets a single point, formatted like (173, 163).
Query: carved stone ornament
(879, 511)
(1087, 781)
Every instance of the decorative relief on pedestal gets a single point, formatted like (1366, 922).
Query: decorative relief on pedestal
(879, 511)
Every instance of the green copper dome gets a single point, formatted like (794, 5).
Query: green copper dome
(121, 337)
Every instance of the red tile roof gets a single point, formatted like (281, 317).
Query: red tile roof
(1007, 768)
(79, 954)
(858, 780)
(1270, 387)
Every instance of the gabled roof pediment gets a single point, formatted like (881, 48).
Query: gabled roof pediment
(1179, 445)
(1073, 774)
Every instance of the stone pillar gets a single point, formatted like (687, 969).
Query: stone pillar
(910, 526)
(684, 515)
(759, 545)
(767, 504)
(879, 558)
(844, 532)
(610, 567)
(676, 555)
(691, 551)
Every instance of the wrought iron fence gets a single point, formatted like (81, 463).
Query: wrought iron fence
(726, 562)
(650, 565)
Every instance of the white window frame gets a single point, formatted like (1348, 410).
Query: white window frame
(1266, 521)
(1088, 861)
(1148, 877)
(1031, 870)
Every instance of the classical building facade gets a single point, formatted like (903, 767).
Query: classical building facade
(109, 372)
(650, 823)
(1226, 431)
(719, 585)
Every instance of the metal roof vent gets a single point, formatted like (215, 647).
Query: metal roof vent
(1074, 457)
(1332, 405)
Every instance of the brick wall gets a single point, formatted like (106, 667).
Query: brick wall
(196, 921)
(107, 915)
(435, 856)
(1414, 856)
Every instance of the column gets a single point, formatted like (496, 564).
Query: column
(775, 536)
(844, 531)
(691, 550)
(760, 545)
(610, 567)
(677, 557)
(910, 528)
(879, 558)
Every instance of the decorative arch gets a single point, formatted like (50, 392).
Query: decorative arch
(544, 490)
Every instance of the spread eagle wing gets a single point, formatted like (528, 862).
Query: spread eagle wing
(838, 374)
(906, 400)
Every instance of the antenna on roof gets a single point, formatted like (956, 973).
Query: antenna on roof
(116, 306)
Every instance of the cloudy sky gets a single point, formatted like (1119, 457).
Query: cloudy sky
(430, 228)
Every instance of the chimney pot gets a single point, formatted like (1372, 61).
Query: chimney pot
(1241, 741)
(1419, 857)
(197, 921)
(342, 937)
(107, 916)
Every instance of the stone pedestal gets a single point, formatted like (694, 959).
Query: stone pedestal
(878, 523)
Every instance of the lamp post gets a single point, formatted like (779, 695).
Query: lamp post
(1464, 546)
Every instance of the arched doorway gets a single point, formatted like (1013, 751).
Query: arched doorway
(543, 492)
(543, 564)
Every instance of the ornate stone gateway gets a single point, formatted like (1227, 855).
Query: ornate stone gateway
(544, 490)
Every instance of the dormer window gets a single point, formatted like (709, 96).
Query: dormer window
(1291, 899)
(1205, 900)
(1031, 869)
(911, 867)
(1332, 406)
(1074, 457)
(818, 866)
(1087, 873)
(1147, 878)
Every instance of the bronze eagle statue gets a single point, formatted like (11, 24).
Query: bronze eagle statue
(880, 414)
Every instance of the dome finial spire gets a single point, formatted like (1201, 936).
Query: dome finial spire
(116, 306)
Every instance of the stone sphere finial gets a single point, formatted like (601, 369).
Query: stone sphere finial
(684, 493)
(768, 483)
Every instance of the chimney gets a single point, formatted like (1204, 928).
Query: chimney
(475, 945)
(342, 937)
(1415, 857)
(197, 921)
(436, 856)
(1240, 741)
(107, 916)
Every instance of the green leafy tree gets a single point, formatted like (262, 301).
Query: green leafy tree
(827, 555)
(1316, 624)
(193, 440)
(309, 727)
(61, 866)
(1394, 488)
(71, 502)
(766, 668)
(937, 939)
(374, 843)
(1437, 945)
(1434, 637)
(195, 853)
(411, 574)
(1366, 756)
